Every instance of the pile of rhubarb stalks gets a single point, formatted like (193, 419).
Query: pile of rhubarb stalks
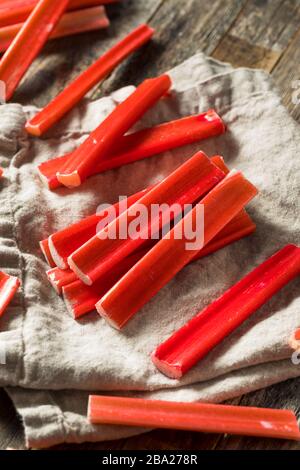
(118, 276)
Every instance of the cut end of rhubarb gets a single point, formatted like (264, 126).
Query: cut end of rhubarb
(44, 246)
(211, 115)
(83, 277)
(70, 180)
(171, 371)
(33, 129)
(104, 315)
(68, 304)
(58, 260)
(294, 341)
(51, 279)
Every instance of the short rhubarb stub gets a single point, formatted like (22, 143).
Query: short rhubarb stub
(172, 371)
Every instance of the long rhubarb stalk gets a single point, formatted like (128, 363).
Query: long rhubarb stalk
(171, 253)
(101, 141)
(17, 11)
(74, 92)
(203, 417)
(200, 335)
(64, 242)
(184, 186)
(44, 245)
(8, 287)
(81, 299)
(28, 42)
(144, 144)
(74, 22)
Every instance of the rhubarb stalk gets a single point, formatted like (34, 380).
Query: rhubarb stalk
(201, 334)
(101, 141)
(184, 186)
(44, 245)
(17, 11)
(144, 144)
(172, 253)
(8, 287)
(81, 299)
(74, 92)
(64, 242)
(28, 42)
(202, 417)
(59, 278)
(74, 22)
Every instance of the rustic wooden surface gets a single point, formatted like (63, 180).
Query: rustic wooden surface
(252, 33)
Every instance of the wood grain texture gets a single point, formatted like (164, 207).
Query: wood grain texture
(261, 34)
(253, 33)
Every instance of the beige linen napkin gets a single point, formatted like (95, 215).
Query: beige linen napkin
(53, 361)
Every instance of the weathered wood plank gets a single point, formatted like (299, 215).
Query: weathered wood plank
(260, 34)
(182, 29)
(11, 431)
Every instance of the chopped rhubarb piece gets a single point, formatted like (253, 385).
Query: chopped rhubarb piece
(101, 141)
(172, 252)
(59, 278)
(184, 186)
(74, 22)
(8, 287)
(63, 243)
(74, 92)
(295, 340)
(146, 143)
(201, 334)
(44, 245)
(203, 417)
(28, 42)
(81, 299)
(21, 9)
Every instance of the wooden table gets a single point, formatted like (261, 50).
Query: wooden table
(251, 33)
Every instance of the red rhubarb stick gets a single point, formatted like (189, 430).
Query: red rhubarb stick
(172, 252)
(200, 335)
(202, 417)
(81, 299)
(59, 278)
(17, 11)
(64, 242)
(8, 287)
(74, 22)
(28, 42)
(101, 141)
(44, 245)
(144, 144)
(74, 92)
(184, 186)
